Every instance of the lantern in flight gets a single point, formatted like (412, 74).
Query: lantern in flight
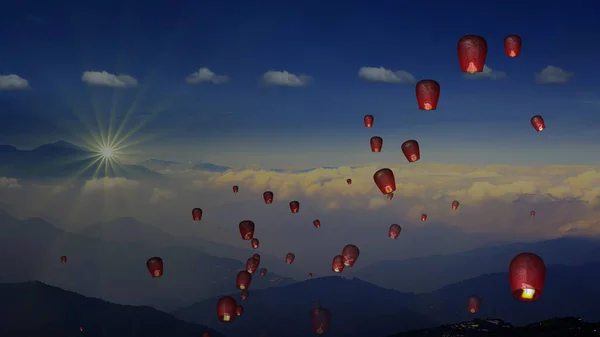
(263, 271)
(155, 266)
(268, 197)
(337, 265)
(385, 181)
(423, 217)
(309, 275)
(243, 280)
(239, 310)
(244, 295)
(455, 205)
(254, 243)
(235, 189)
(321, 320)
(350, 254)
(349, 181)
(411, 151)
(538, 123)
(512, 45)
(428, 94)
(527, 275)
(251, 265)
(289, 258)
(197, 214)
(472, 51)
(294, 207)
(376, 144)
(63, 259)
(256, 257)
(247, 229)
(473, 304)
(226, 308)
(532, 213)
(317, 223)
(206, 334)
(369, 119)
(394, 231)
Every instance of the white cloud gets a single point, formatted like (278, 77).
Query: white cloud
(487, 74)
(158, 194)
(106, 184)
(382, 75)
(13, 82)
(552, 75)
(9, 183)
(106, 79)
(205, 75)
(285, 79)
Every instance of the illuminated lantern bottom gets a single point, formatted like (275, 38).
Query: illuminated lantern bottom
(472, 68)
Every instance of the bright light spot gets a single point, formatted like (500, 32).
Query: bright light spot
(528, 293)
(107, 152)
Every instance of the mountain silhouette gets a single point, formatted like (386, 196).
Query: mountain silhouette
(426, 274)
(157, 164)
(208, 167)
(35, 309)
(115, 271)
(64, 160)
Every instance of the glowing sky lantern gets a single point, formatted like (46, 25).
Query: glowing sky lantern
(294, 206)
(385, 181)
(226, 308)
(317, 223)
(155, 266)
(268, 197)
(376, 144)
(350, 254)
(538, 123)
(527, 276)
(243, 280)
(337, 265)
(263, 271)
(206, 334)
(254, 243)
(512, 45)
(247, 229)
(473, 304)
(321, 320)
(235, 189)
(289, 258)
(239, 310)
(532, 214)
(423, 217)
(411, 151)
(244, 294)
(63, 259)
(309, 275)
(349, 181)
(197, 214)
(428, 94)
(455, 205)
(472, 51)
(394, 231)
(252, 265)
(256, 257)
(369, 119)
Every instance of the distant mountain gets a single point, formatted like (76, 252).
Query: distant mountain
(208, 167)
(157, 164)
(558, 327)
(35, 309)
(432, 272)
(358, 309)
(63, 160)
(115, 271)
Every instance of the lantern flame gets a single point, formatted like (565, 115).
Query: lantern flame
(472, 68)
(528, 293)
(242, 287)
(512, 53)
(427, 106)
(226, 317)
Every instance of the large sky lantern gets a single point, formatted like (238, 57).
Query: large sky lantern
(472, 51)
(376, 144)
(197, 214)
(236, 189)
(268, 197)
(294, 206)
(289, 258)
(337, 265)
(350, 254)
(538, 123)
(321, 320)
(428, 94)
(455, 205)
(411, 150)
(512, 45)
(369, 119)
(473, 304)
(256, 257)
(251, 265)
(155, 266)
(247, 229)
(243, 280)
(394, 231)
(527, 273)
(254, 243)
(226, 309)
(385, 181)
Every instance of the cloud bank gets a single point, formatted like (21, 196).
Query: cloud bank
(382, 75)
(553, 75)
(13, 82)
(106, 79)
(286, 79)
(205, 75)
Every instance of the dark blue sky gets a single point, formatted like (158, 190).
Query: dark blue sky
(161, 42)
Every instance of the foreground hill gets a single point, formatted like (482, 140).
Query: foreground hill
(35, 309)
(558, 327)
(115, 271)
(426, 274)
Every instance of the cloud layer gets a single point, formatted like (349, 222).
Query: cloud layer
(553, 75)
(106, 79)
(13, 82)
(205, 75)
(382, 75)
(285, 79)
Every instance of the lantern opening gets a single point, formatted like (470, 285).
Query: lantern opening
(226, 317)
(242, 287)
(157, 273)
(336, 269)
(540, 128)
(527, 293)
(512, 53)
(427, 106)
(472, 68)
(389, 189)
